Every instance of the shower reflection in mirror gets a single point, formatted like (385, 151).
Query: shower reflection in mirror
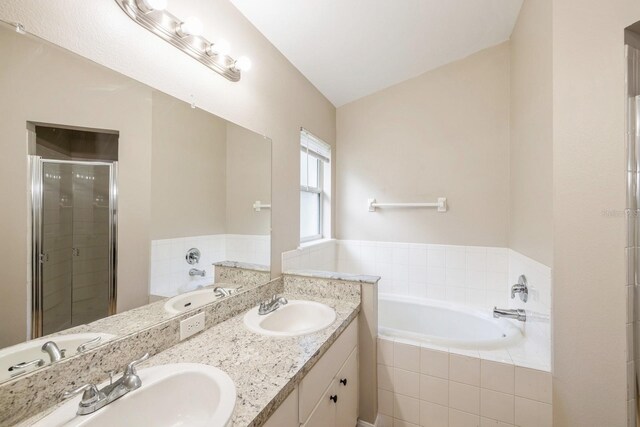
(73, 225)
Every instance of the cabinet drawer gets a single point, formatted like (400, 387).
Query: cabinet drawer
(319, 378)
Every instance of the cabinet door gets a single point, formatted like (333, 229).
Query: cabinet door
(324, 414)
(287, 414)
(347, 391)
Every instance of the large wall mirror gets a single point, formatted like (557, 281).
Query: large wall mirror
(116, 198)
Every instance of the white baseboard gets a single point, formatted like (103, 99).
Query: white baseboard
(366, 424)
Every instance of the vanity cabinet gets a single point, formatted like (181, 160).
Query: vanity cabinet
(328, 395)
(339, 404)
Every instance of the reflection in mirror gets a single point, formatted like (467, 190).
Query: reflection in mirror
(119, 200)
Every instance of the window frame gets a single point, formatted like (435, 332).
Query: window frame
(319, 190)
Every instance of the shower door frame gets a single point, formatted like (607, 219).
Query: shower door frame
(36, 164)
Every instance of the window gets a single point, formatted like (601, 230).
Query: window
(315, 187)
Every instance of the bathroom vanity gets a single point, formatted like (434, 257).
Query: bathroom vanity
(298, 378)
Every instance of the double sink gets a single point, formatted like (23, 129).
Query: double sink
(191, 394)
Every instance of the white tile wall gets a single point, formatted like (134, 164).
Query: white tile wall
(170, 270)
(467, 275)
(425, 387)
(315, 256)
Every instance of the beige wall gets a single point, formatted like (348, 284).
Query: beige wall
(248, 180)
(589, 176)
(531, 141)
(442, 134)
(273, 99)
(29, 70)
(188, 174)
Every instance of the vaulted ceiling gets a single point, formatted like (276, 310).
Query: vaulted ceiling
(352, 48)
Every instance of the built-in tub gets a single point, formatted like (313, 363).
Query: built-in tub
(443, 324)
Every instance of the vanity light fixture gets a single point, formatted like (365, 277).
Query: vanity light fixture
(221, 47)
(186, 36)
(242, 64)
(150, 5)
(190, 27)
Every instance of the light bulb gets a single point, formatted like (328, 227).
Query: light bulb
(242, 64)
(190, 27)
(150, 5)
(221, 47)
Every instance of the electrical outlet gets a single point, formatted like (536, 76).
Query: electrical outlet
(191, 326)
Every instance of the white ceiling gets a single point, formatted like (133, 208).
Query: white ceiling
(352, 48)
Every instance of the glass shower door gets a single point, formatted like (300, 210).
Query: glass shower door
(57, 244)
(76, 243)
(91, 243)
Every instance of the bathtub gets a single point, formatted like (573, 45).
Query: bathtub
(443, 324)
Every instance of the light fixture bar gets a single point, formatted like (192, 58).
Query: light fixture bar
(166, 26)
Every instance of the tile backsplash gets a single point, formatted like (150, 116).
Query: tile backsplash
(170, 270)
(469, 275)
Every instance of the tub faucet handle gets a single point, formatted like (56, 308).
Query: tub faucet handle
(520, 288)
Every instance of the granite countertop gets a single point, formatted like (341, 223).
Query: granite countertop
(334, 275)
(264, 369)
(243, 265)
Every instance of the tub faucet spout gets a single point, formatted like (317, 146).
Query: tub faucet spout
(196, 272)
(518, 314)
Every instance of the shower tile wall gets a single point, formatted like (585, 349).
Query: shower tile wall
(170, 271)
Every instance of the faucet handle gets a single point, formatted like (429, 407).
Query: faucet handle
(83, 347)
(131, 367)
(520, 288)
(90, 394)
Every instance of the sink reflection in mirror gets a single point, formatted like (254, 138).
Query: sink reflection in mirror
(178, 177)
(170, 395)
(23, 358)
(196, 299)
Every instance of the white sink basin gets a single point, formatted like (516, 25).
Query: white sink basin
(295, 318)
(32, 350)
(190, 300)
(180, 394)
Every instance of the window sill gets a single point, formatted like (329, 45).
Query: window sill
(314, 243)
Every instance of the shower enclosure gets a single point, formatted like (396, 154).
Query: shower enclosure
(73, 222)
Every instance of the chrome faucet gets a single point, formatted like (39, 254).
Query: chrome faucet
(520, 288)
(196, 272)
(94, 399)
(51, 348)
(518, 314)
(273, 304)
(54, 352)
